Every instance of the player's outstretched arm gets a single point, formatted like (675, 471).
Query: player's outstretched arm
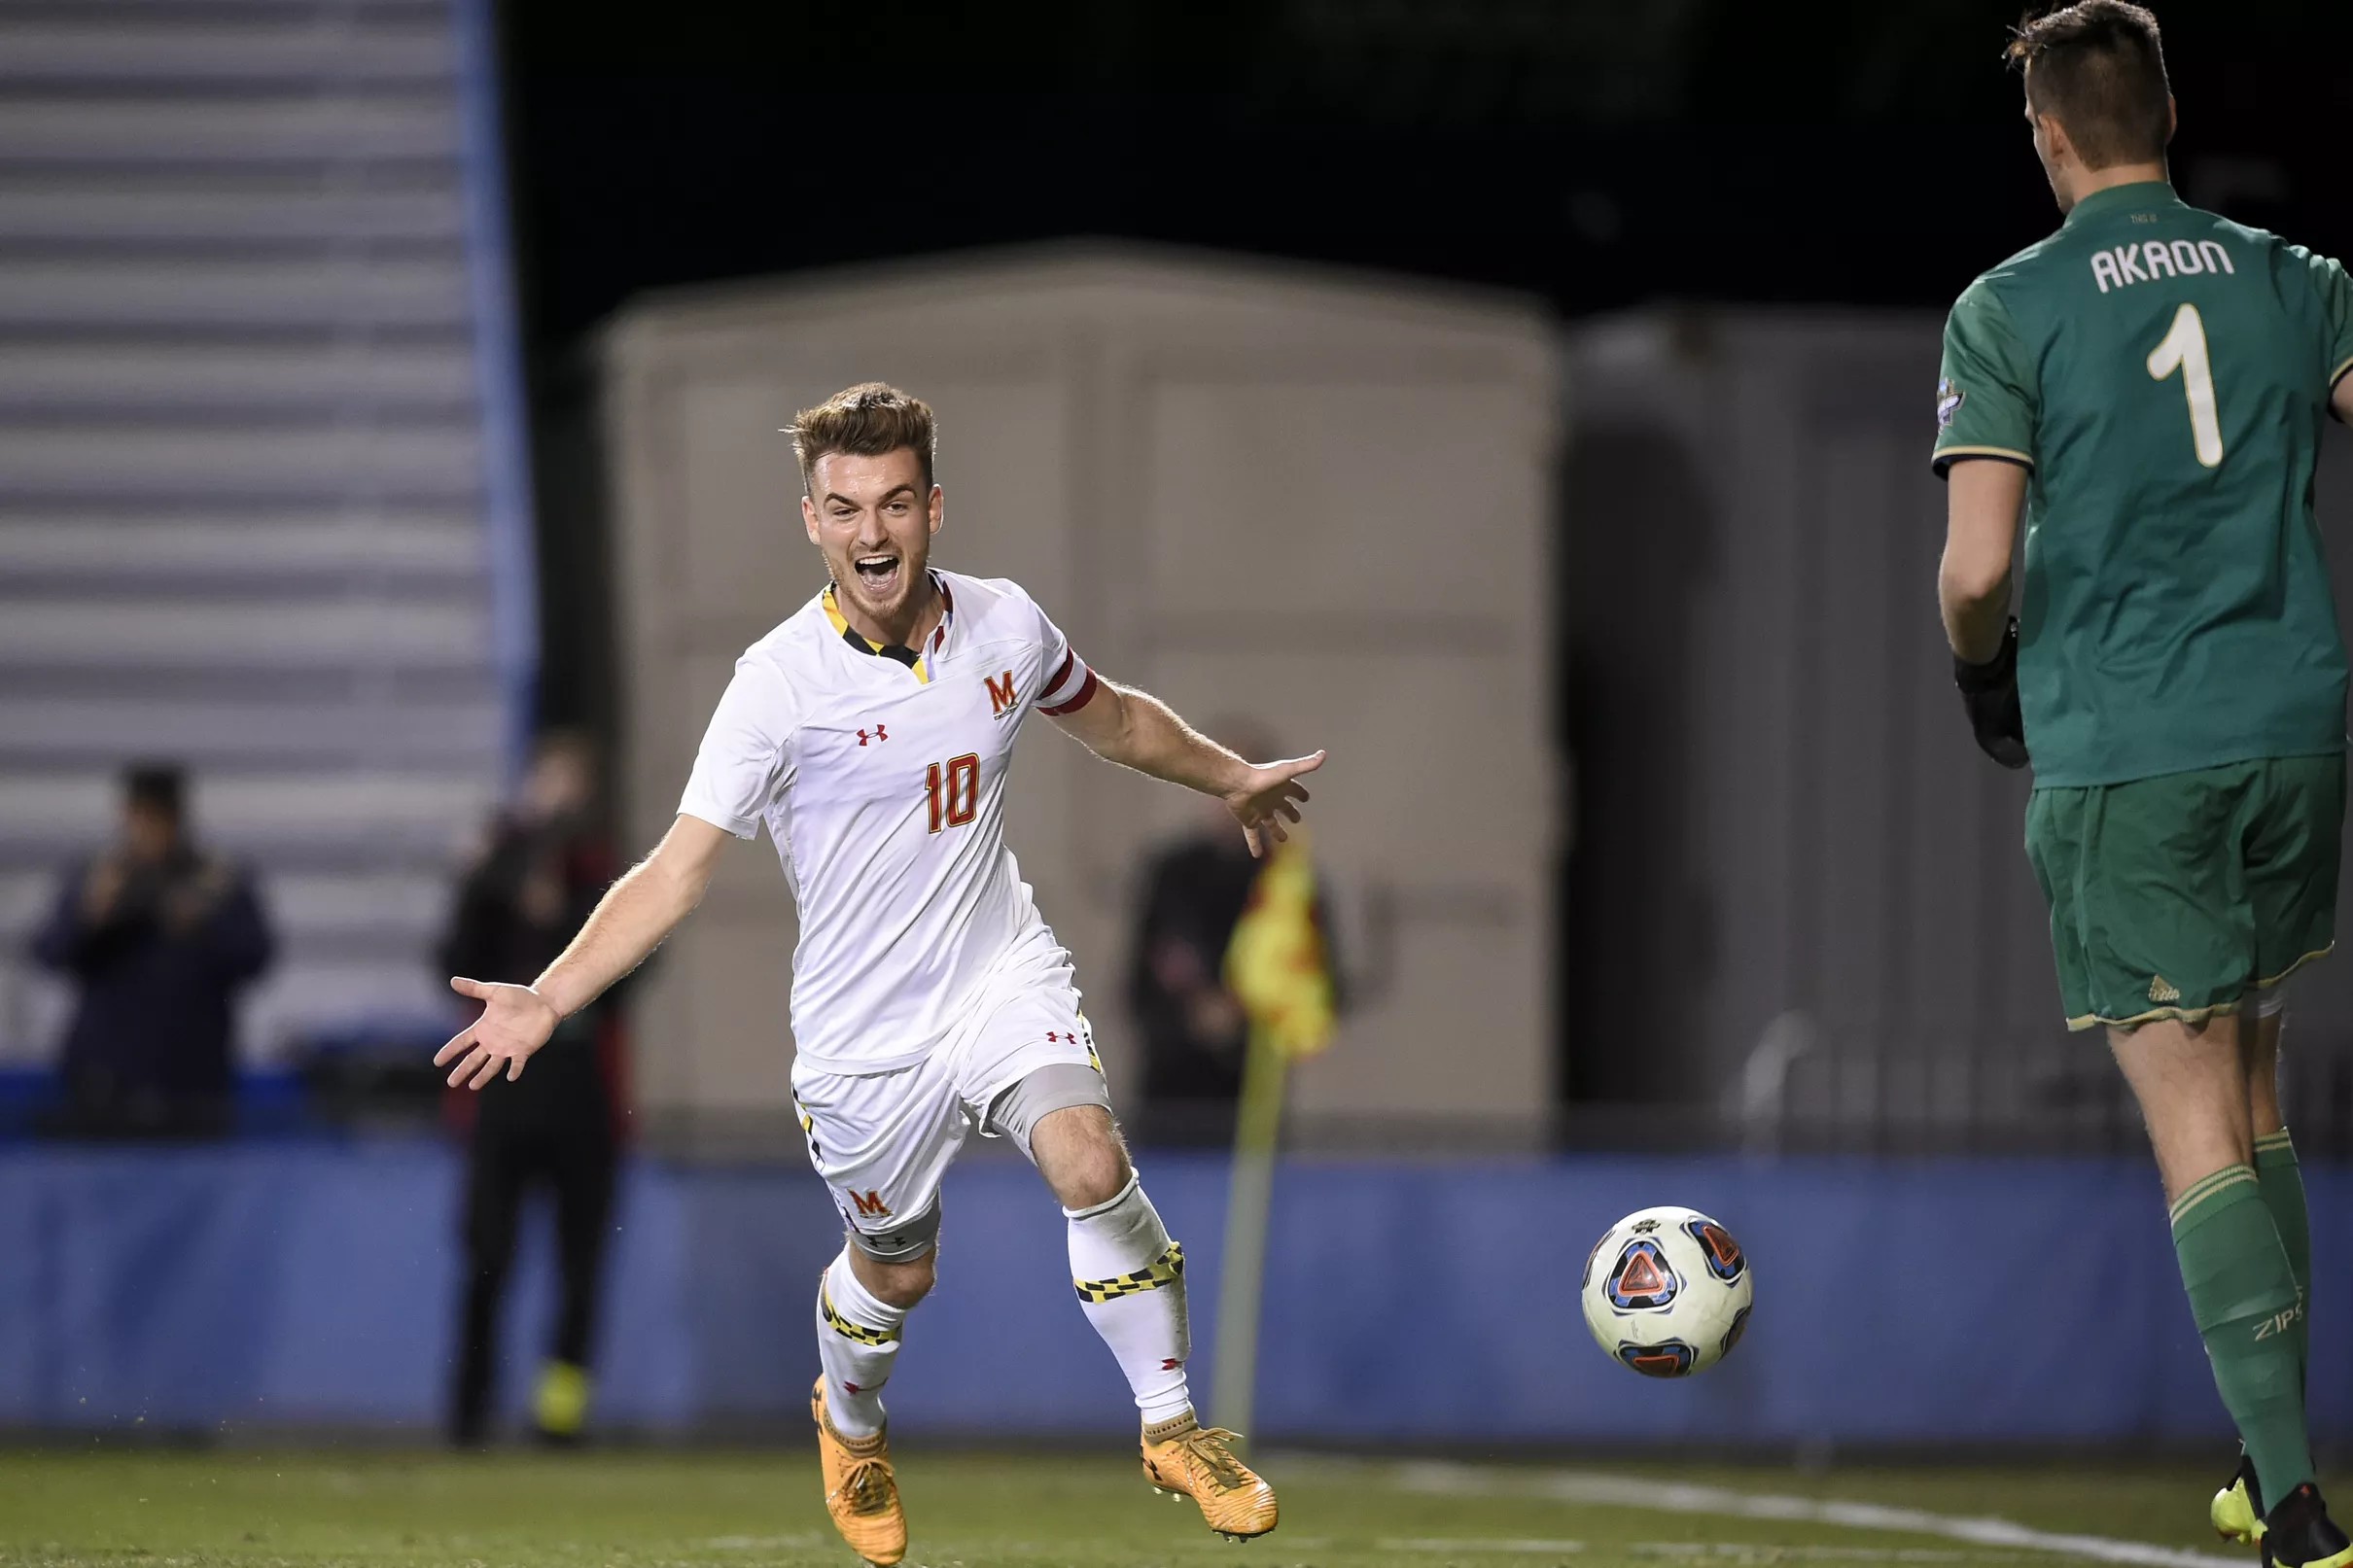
(1138, 730)
(627, 924)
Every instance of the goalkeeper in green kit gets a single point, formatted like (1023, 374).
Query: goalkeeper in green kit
(2148, 385)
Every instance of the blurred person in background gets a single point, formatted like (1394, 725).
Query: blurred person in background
(543, 870)
(159, 936)
(1194, 1031)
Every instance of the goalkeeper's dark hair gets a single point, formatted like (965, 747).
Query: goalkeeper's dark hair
(866, 420)
(2098, 68)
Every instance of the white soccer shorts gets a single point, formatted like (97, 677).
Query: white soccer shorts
(883, 1140)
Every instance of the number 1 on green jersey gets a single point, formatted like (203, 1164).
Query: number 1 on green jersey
(2184, 348)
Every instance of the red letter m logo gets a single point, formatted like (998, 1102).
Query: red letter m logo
(870, 1204)
(1000, 694)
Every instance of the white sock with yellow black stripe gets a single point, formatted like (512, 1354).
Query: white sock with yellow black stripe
(1131, 1284)
(856, 1342)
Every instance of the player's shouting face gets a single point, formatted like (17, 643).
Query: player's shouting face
(875, 517)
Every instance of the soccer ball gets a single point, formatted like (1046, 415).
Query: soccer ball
(1667, 1292)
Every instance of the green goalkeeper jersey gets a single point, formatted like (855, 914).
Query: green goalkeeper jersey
(2162, 374)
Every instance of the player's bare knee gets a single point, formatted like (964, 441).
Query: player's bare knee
(906, 1283)
(1079, 1152)
(1100, 1180)
(901, 1284)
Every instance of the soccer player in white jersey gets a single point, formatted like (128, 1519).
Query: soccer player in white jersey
(872, 733)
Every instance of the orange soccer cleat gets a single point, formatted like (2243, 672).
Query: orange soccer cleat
(1184, 1459)
(862, 1492)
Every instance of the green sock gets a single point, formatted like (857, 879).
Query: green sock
(2243, 1294)
(2283, 1184)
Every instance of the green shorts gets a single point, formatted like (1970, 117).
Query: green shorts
(2172, 897)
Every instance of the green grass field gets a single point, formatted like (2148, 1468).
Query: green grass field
(1087, 1511)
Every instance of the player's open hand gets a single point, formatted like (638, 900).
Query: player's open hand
(515, 1022)
(1268, 797)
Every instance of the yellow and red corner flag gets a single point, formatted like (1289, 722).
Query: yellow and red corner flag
(1275, 961)
(1277, 966)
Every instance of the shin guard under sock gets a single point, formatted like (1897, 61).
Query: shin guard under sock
(2243, 1295)
(1131, 1283)
(2282, 1181)
(856, 1342)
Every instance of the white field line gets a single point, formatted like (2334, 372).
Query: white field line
(1596, 1488)
(1743, 1552)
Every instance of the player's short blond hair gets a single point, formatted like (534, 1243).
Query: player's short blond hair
(866, 420)
(2098, 68)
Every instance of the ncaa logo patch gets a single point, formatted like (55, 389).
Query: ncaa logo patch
(1948, 402)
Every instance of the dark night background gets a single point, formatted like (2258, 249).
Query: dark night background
(1598, 153)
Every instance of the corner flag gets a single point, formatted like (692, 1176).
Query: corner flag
(1277, 966)
(1274, 963)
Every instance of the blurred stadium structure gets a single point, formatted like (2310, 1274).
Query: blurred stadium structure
(1658, 837)
(1788, 856)
(263, 469)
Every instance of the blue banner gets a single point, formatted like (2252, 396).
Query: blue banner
(252, 1286)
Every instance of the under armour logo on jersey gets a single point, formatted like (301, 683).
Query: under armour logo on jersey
(881, 733)
(1002, 698)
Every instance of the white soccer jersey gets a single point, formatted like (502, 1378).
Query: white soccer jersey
(881, 777)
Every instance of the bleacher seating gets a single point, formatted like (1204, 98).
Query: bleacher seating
(259, 480)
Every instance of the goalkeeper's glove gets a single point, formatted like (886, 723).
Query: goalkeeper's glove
(1990, 691)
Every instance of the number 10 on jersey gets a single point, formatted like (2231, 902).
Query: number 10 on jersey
(955, 790)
